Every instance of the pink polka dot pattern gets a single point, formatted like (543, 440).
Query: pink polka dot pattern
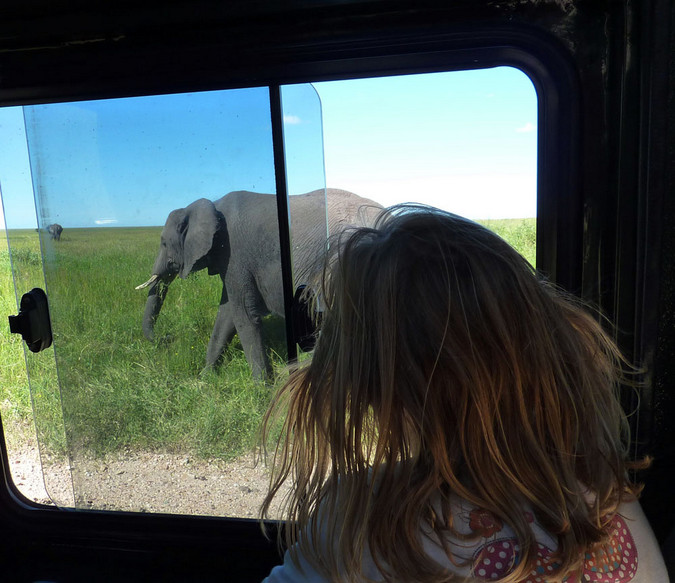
(495, 559)
(618, 565)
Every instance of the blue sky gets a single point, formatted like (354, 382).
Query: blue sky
(463, 141)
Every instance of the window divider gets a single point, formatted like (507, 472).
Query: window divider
(276, 111)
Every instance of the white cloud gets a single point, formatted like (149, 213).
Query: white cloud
(527, 128)
(292, 119)
(105, 221)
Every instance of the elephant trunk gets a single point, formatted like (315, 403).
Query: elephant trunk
(154, 303)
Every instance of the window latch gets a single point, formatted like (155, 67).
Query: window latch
(33, 322)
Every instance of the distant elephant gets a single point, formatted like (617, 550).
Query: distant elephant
(55, 231)
(236, 237)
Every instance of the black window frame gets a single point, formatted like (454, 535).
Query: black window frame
(141, 65)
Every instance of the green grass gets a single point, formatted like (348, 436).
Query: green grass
(520, 233)
(14, 394)
(113, 388)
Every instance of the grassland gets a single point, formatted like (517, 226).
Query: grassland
(103, 386)
(115, 388)
(520, 233)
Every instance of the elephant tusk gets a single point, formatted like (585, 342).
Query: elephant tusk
(152, 280)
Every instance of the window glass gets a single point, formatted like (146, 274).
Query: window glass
(463, 141)
(31, 418)
(140, 417)
(129, 424)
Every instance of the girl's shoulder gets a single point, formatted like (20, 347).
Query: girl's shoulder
(486, 549)
(632, 555)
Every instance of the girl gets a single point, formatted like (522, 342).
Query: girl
(458, 421)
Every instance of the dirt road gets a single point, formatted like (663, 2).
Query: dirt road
(140, 481)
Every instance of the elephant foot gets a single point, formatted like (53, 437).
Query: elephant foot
(265, 376)
(166, 340)
(209, 369)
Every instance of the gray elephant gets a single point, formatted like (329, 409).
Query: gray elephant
(55, 231)
(236, 237)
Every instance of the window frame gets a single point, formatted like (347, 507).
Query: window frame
(77, 72)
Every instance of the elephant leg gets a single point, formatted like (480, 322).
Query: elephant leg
(249, 328)
(223, 332)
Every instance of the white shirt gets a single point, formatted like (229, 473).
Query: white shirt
(636, 557)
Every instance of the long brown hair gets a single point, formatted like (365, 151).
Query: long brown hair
(445, 364)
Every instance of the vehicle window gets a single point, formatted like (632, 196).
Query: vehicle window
(463, 141)
(143, 403)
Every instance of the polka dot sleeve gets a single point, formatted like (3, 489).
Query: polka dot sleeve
(616, 563)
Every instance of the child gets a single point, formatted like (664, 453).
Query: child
(458, 421)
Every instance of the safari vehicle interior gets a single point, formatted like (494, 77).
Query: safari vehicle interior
(118, 93)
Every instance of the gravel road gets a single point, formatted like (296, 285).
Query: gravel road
(139, 481)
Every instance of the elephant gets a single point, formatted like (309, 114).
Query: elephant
(236, 237)
(55, 231)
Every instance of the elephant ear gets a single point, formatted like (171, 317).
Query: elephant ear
(200, 228)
